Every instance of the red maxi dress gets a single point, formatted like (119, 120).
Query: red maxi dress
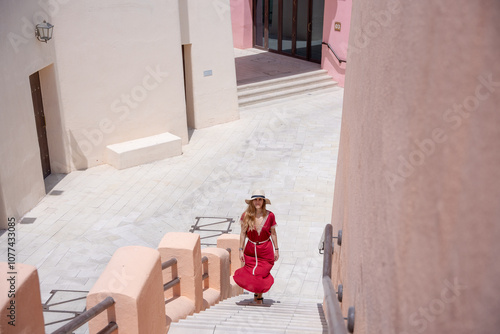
(255, 275)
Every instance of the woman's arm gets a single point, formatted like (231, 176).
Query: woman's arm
(274, 237)
(243, 235)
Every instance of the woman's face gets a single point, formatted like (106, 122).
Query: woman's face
(258, 202)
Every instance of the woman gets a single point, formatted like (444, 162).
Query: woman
(259, 254)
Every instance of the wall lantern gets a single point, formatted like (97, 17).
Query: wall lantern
(43, 31)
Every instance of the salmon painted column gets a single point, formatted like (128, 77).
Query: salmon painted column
(187, 297)
(241, 19)
(20, 301)
(133, 279)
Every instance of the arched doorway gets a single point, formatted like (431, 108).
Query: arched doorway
(290, 27)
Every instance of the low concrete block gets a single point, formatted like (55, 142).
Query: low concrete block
(20, 300)
(210, 297)
(133, 279)
(236, 290)
(143, 150)
(218, 271)
(232, 241)
(178, 308)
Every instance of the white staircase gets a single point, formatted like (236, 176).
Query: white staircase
(285, 86)
(239, 315)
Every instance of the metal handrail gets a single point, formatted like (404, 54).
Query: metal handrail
(168, 263)
(334, 317)
(331, 49)
(87, 316)
(204, 260)
(173, 282)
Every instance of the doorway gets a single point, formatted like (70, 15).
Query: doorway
(290, 27)
(41, 128)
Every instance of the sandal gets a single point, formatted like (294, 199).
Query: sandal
(260, 301)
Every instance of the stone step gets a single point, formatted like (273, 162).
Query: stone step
(294, 91)
(232, 329)
(261, 322)
(277, 312)
(271, 82)
(282, 87)
(265, 305)
(282, 314)
(270, 316)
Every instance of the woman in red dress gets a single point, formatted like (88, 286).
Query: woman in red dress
(259, 254)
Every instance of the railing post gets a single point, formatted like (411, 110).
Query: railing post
(333, 312)
(327, 257)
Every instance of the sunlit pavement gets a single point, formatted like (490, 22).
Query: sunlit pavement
(288, 148)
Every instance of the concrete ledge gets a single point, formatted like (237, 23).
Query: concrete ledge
(178, 308)
(210, 297)
(219, 271)
(143, 150)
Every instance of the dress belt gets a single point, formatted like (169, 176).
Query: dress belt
(255, 251)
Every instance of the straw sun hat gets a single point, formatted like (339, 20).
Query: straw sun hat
(258, 194)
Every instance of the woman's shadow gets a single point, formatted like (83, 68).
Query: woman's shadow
(267, 302)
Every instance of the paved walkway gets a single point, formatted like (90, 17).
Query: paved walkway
(288, 148)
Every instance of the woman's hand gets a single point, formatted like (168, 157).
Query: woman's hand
(276, 255)
(242, 258)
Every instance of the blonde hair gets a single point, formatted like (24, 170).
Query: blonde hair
(248, 219)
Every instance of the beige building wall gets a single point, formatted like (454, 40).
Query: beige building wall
(122, 77)
(417, 192)
(21, 176)
(209, 61)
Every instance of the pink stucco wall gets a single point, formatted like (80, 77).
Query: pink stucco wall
(336, 11)
(241, 17)
(417, 190)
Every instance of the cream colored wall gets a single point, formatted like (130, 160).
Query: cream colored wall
(215, 96)
(417, 189)
(112, 73)
(21, 177)
(121, 75)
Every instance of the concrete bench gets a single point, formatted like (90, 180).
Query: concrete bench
(143, 150)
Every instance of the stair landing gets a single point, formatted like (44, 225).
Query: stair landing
(264, 76)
